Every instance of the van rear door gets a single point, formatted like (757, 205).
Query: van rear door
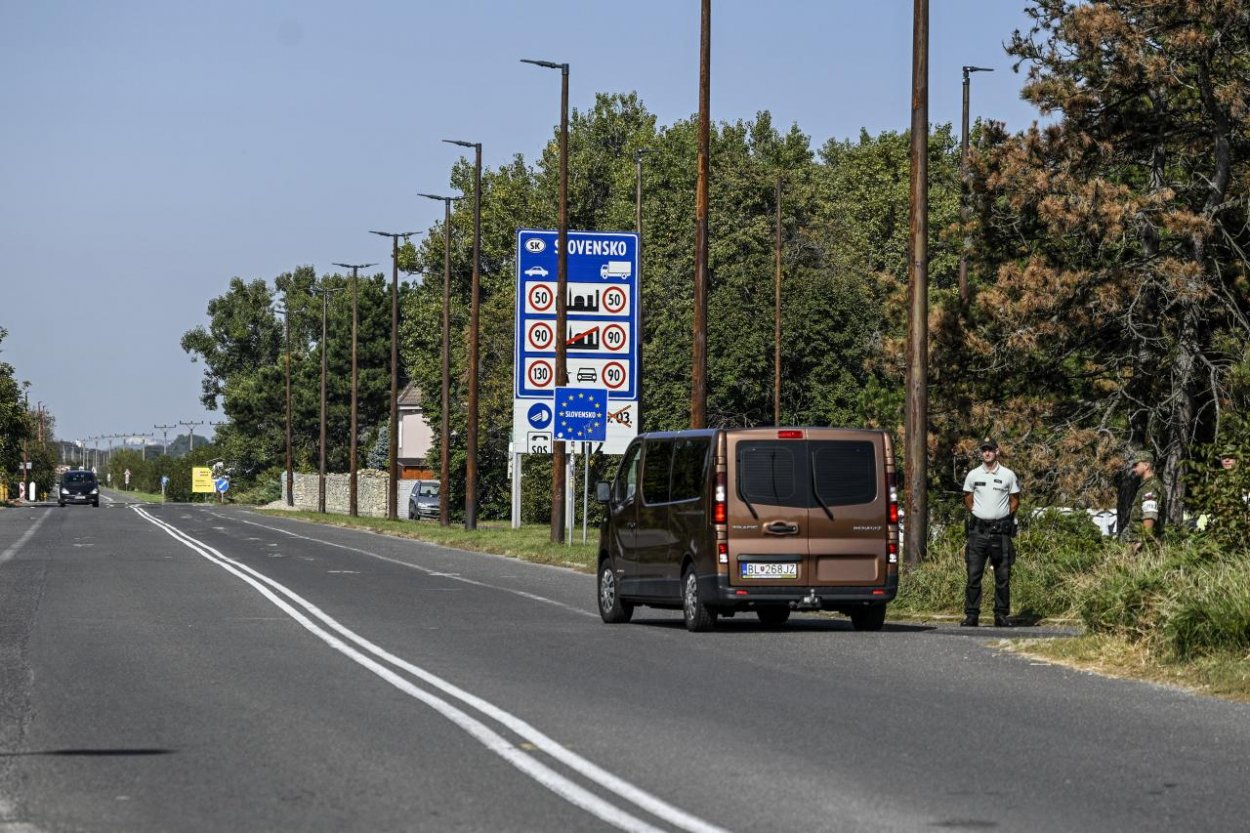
(848, 524)
(768, 498)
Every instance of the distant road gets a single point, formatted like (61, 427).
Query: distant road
(197, 668)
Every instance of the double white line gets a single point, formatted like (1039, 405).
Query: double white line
(377, 660)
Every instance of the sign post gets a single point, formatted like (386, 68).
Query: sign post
(601, 339)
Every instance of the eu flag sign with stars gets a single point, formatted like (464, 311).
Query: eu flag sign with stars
(581, 414)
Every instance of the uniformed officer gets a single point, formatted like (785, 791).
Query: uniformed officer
(992, 495)
(1144, 518)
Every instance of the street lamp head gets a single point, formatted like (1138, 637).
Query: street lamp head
(464, 144)
(437, 197)
(354, 265)
(547, 64)
(977, 69)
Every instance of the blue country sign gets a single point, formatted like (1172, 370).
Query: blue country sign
(581, 414)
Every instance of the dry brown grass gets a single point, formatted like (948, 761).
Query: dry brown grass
(1224, 676)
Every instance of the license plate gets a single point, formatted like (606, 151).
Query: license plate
(768, 569)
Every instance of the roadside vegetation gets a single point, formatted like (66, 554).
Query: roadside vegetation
(1175, 612)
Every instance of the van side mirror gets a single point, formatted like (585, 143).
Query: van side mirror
(603, 491)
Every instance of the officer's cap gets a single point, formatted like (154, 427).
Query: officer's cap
(1143, 456)
(988, 442)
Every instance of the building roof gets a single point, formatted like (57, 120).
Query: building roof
(411, 396)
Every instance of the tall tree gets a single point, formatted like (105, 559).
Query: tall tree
(1116, 235)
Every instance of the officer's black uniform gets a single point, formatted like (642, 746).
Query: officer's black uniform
(989, 541)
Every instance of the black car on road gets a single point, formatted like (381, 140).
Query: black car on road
(78, 486)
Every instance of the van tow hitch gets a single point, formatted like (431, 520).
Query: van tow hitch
(809, 602)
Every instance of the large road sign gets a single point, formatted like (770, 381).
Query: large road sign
(601, 334)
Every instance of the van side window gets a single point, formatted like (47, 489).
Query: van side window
(627, 478)
(844, 471)
(656, 463)
(689, 468)
(773, 473)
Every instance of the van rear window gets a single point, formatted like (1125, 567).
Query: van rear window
(784, 473)
(771, 473)
(845, 472)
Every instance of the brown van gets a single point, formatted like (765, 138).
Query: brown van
(769, 520)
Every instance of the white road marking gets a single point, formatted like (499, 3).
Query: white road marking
(492, 740)
(433, 573)
(20, 542)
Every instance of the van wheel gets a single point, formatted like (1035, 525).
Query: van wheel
(868, 617)
(697, 614)
(612, 609)
(773, 616)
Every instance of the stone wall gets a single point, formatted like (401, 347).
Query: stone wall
(370, 493)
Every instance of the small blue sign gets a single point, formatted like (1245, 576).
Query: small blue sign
(581, 414)
(540, 415)
(222, 484)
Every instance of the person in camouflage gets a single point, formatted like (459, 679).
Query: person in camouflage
(1145, 519)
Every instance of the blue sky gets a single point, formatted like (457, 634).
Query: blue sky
(151, 150)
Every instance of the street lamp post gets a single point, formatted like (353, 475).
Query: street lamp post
(777, 315)
(352, 468)
(285, 309)
(964, 295)
(25, 460)
(444, 463)
(638, 371)
(392, 453)
(562, 276)
(470, 464)
(325, 308)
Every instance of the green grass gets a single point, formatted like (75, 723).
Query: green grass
(532, 542)
(1225, 674)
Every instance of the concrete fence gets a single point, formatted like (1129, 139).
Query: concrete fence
(370, 493)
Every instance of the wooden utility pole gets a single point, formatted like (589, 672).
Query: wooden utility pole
(698, 373)
(916, 445)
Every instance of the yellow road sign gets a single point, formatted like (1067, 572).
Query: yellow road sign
(202, 480)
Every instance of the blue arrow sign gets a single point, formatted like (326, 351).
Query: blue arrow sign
(540, 415)
(581, 414)
(222, 484)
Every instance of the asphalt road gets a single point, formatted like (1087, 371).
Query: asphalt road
(193, 668)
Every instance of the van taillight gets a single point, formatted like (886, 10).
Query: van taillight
(790, 435)
(892, 509)
(720, 512)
